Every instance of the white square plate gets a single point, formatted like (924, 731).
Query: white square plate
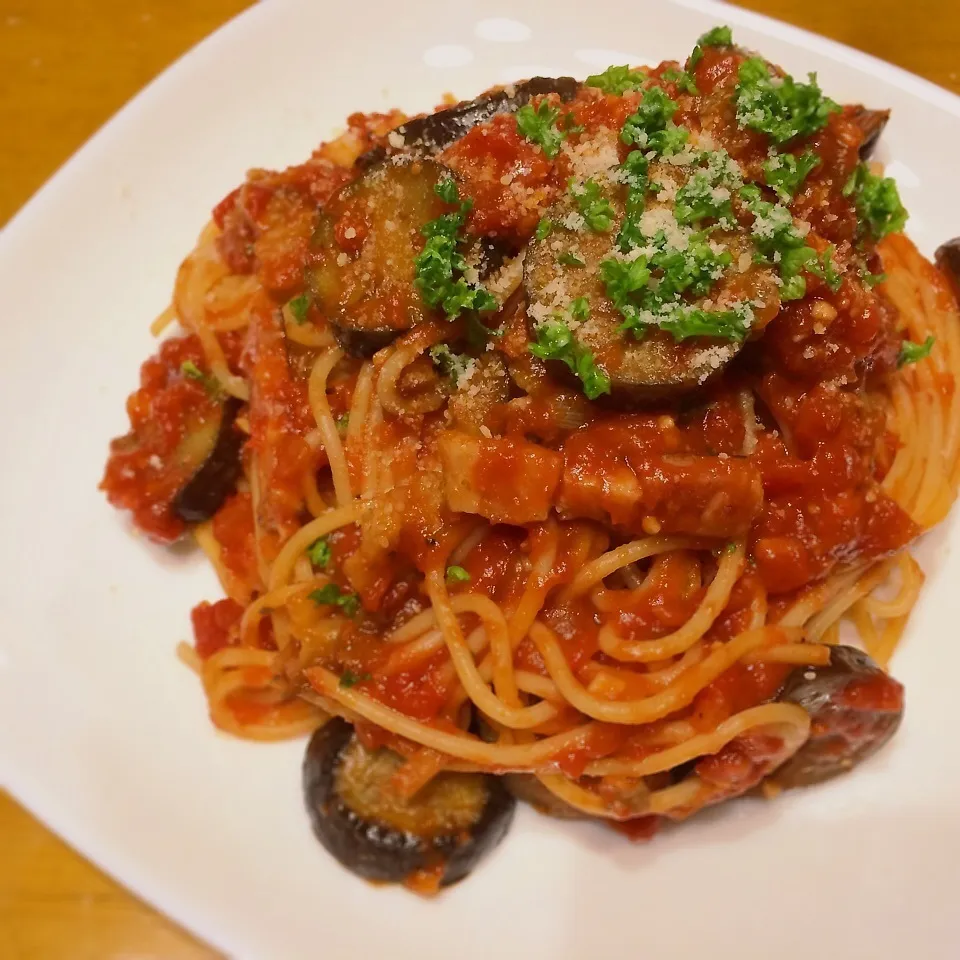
(104, 734)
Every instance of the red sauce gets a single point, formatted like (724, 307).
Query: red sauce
(144, 473)
(215, 625)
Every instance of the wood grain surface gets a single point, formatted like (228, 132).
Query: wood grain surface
(65, 67)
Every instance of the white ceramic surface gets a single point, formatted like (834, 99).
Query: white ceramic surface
(104, 735)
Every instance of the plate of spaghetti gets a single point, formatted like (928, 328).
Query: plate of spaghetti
(540, 486)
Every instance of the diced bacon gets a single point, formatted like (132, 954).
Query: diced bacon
(505, 480)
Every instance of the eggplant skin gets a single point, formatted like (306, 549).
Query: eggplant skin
(204, 493)
(872, 123)
(427, 136)
(948, 261)
(377, 851)
(855, 708)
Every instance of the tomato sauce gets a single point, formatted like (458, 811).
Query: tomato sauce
(786, 450)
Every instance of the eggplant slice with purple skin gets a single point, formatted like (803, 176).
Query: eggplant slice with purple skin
(872, 123)
(427, 136)
(367, 291)
(565, 266)
(855, 708)
(216, 448)
(450, 824)
(947, 259)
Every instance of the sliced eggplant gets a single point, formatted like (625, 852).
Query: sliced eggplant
(450, 825)
(365, 243)
(566, 265)
(427, 136)
(855, 708)
(948, 260)
(215, 446)
(872, 123)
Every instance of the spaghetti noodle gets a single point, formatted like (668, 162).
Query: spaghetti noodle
(574, 424)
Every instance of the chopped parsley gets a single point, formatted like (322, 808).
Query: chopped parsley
(342, 423)
(350, 679)
(209, 383)
(872, 279)
(450, 364)
(439, 268)
(911, 352)
(320, 553)
(779, 242)
(717, 37)
(569, 259)
(879, 208)
(544, 228)
(701, 198)
(685, 321)
(681, 78)
(633, 173)
(730, 548)
(331, 595)
(825, 268)
(580, 308)
(651, 126)
(539, 125)
(784, 172)
(299, 307)
(645, 305)
(594, 207)
(617, 80)
(457, 575)
(555, 341)
(779, 106)
(447, 191)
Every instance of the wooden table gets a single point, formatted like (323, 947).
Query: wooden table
(67, 65)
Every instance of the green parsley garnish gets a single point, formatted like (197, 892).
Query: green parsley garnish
(700, 198)
(825, 268)
(350, 679)
(540, 126)
(878, 202)
(693, 270)
(778, 241)
(439, 268)
(681, 78)
(556, 342)
(544, 228)
(342, 423)
(730, 548)
(717, 37)
(634, 173)
(911, 352)
(872, 279)
(320, 553)
(646, 127)
(209, 383)
(785, 172)
(594, 207)
(569, 259)
(617, 80)
(331, 595)
(779, 106)
(580, 308)
(299, 307)
(447, 191)
(450, 364)
(457, 575)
